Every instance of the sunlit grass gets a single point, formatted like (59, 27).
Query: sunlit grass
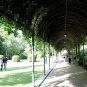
(18, 76)
(22, 78)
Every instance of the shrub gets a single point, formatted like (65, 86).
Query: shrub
(22, 56)
(1, 56)
(39, 54)
(85, 60)
(47, 55)
(30, 57)
(16, 58)
(35, 57)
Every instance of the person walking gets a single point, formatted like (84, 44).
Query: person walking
(45, 59)
(1, 63)
(74, 59)
(5, 62)
(69, 58)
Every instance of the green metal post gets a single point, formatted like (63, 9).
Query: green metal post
(44, 58)
(83, 48)
(76, 50)
(79, 50)
(33, 82)
(49, 56)
(83, 56)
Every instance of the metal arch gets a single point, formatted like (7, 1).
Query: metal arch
(63, 38)
(40, 15)
(54, 19)
(73, 28)
(68, 45)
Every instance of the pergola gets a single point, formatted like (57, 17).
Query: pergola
(61, 23)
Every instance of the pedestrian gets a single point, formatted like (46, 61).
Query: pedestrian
(74, 59)
(5, 62)
(1, 63)
(69, 58)
(45, 59)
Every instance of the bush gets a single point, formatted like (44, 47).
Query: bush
(79, 59)
(35, 57)
(22, 56)
(39, 55)
(30, 57)
(47, 55)
(1, 56)
(85, 60)
(16, 58)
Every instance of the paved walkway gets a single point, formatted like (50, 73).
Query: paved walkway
(66, 75)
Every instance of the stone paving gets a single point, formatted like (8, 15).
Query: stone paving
(66, 75)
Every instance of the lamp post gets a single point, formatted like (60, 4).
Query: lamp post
(65, 34)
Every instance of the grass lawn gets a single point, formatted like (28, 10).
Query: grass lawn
(19, 76)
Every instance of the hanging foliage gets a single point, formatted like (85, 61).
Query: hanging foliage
(13, 27)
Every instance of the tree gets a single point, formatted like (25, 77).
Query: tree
(2, 46)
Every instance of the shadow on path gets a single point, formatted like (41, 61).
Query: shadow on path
(65, 75)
